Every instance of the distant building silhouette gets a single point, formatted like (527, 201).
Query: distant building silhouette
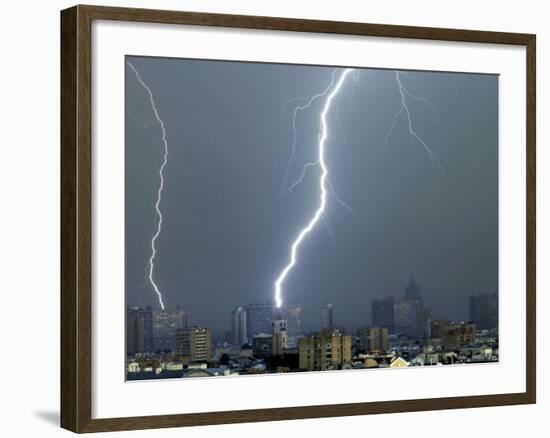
(484, 311)
(408, 318)
(165, 324)
(262, 344)
(259, 318)
(382, 313)
(456, 335)
(239, 334)
(412, 290)
(373, 339)
(437, 328)
(294, 325)
(139, 330)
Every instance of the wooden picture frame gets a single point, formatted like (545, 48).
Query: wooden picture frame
(76, 217)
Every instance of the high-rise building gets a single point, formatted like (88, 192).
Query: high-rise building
(165, 324)
(238, 326)
(293, 316)
(382, 313)
(408, 318)
(139, 330)
(412, 290)
(194, 344)
(329, 316)
(373, 339)
(326, 350)
(484, 311)
(259, 318)
(279, 334)
(363, 339)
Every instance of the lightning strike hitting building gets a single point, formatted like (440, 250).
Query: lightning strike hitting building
(160, 188)
(324, 183)
(330, 93)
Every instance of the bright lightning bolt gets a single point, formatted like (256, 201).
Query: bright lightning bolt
(295, 133)
(310, 164)
(318, 215)
(161, 187)
(404, 109)
(324, 181)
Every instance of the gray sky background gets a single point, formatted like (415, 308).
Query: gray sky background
(228, 227)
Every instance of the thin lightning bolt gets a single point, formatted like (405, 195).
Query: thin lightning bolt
(318, 215)
(413, 135)
(161, 187)
(303, 174)
(330, 232)
(339, 201)
(295, 132)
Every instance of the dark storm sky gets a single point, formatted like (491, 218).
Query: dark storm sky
(228, 228)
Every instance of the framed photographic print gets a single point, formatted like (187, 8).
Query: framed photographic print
(269, 218)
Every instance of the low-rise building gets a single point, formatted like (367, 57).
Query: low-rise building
(262, 344)
(458, 334)
(373, 339)
(326, 350)
(399, 362)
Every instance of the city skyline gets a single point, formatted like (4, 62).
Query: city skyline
(403, 315)
(264, 338)
(408, 216)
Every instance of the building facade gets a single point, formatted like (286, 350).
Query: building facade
(375, 340)
(382, 313)
(437, 328)
(279, 335)
(408, 318)
(293, 316)
(326, 350)
(484, 311)
(262, 344)
(259, 318)
(412, 290)
(165, 324)
(456, 335)
(194, 344)
(139, 330)
(239, 334)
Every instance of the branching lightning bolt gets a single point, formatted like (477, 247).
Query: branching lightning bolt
(295, 134)
(324, 183)
(413, 135)
(331, 91)
(310, 164)
(160, 189)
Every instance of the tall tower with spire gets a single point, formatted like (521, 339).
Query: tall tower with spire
(280, 340)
